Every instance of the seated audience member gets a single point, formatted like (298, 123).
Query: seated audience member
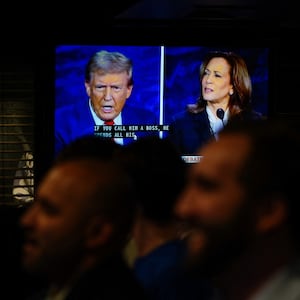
(23, 182)
(241, 201)
(159, 174)
(79, 223)
(89, 146)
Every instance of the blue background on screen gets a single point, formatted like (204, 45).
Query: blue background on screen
(181, 75)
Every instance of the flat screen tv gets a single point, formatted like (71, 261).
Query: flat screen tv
(166, 79)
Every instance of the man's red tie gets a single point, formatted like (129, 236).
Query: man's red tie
(109, 122)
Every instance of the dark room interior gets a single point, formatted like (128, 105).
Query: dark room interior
(29, 35)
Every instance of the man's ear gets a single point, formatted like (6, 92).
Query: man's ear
(129, 91)
(272, 216)
(87, 88)
(98, 232)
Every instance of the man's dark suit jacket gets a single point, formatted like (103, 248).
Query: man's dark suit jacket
(76, 120)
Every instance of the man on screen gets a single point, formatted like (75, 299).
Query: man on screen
(108, 84)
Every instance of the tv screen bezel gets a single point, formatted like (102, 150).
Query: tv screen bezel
(168, 34)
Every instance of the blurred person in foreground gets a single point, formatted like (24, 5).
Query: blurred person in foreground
(225, 94)
(242, 205)
(78, 225)
(159, 174)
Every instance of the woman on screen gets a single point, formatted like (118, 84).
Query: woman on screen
(225, 94)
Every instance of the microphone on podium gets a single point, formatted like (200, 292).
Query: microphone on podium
(220, 115)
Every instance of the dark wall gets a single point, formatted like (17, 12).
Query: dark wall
(27, 40)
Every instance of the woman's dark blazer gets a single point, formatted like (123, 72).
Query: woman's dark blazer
(190, 131)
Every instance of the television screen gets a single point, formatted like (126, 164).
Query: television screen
(165, 81)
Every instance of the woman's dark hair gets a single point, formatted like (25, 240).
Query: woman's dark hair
(240, 100)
